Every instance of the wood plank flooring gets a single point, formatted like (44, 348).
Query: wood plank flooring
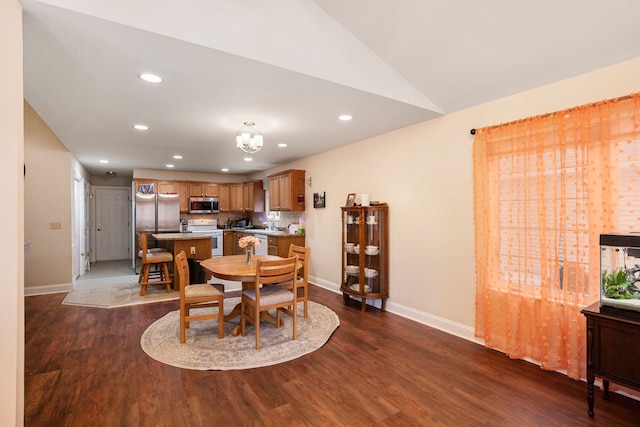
(85, 367)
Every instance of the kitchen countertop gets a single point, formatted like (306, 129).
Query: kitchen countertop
(181, 236)
(263, 231)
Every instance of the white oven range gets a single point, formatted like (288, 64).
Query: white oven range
(208, 227)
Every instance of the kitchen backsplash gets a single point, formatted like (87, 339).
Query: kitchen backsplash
(257, 219)
(286, 218)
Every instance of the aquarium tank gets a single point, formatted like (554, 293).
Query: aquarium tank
(620, 271)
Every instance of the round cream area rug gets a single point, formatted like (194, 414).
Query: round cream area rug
(204, 351)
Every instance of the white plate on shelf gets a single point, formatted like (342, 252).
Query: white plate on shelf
(368, 252)
(372, 223)
(351, 269)
(356, 287)
(370, 273)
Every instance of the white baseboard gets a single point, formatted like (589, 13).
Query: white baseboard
(453, 328)
(47, 289)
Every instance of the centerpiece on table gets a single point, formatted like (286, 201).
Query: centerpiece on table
(249, 244)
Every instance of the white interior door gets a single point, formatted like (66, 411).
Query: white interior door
(78, 227)
(112, 224)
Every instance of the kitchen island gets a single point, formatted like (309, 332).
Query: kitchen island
(194, 245)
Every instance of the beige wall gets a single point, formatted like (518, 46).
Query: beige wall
(424, 173)
(11, 214)
(48, 192)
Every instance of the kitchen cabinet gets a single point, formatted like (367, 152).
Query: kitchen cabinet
(286, 191)
(224, 202)
(203, 189)
(230, 242)
(365, 257)
(253, 196)
(167, 187)
(236, 247)
(235, 197)
(279, 245)
(183, 193)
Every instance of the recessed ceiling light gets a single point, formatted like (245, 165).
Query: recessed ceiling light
(225, 169)
(282, 145)
(345, 117)
(178, 157)
(248, 159)
(151, 78)
(170, 166)
(141, 127)
(104, 161)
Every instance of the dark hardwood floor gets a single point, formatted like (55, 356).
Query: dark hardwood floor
(85, 367)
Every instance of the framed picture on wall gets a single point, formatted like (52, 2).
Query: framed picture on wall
(351, 199)
(318, 200)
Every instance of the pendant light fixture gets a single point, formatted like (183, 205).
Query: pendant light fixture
(249, 138)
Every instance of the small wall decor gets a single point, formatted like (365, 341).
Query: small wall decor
(351, 199)
(318, 200)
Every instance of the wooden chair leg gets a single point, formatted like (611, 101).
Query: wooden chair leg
(257, 325)
(220, 318)
(294, 313)
(165, 269)
(145, 279)
(305, 296)
(183, 326)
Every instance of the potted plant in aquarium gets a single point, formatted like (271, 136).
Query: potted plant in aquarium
(618, 285)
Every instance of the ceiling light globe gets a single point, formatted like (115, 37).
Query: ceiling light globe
(249, 139)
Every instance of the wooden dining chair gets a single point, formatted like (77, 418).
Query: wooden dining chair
(197, 296)
(303, 254)
(158, 260)
(268, 294)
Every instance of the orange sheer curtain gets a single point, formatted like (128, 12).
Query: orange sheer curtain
(545, 188)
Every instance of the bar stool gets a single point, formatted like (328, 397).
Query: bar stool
(161, 261)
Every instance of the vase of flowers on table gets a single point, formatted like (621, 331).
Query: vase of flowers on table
(249, 243)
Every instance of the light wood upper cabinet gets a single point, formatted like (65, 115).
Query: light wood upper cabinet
(253, 196)
(203, 189)
(225, 202)
(196, 189)
(211, 190)
(286, 191)
(167, 187)
(183, 192)
(274, 193)
(235, 197)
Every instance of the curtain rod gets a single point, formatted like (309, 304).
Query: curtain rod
(542, 116)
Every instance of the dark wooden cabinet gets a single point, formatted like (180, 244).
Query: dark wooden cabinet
(279, 245)
(365, 257)
(230, 242)
(613, 347)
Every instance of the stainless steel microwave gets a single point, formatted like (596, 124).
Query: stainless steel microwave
(204, 205)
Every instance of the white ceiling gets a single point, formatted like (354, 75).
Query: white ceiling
(292, 66)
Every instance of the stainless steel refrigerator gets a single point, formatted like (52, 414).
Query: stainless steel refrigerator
(154, 213)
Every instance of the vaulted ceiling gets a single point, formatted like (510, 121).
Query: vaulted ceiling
(292, 67)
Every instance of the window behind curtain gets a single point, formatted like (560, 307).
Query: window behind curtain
(545, 188)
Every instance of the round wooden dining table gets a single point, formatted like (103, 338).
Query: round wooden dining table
(235, 268)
